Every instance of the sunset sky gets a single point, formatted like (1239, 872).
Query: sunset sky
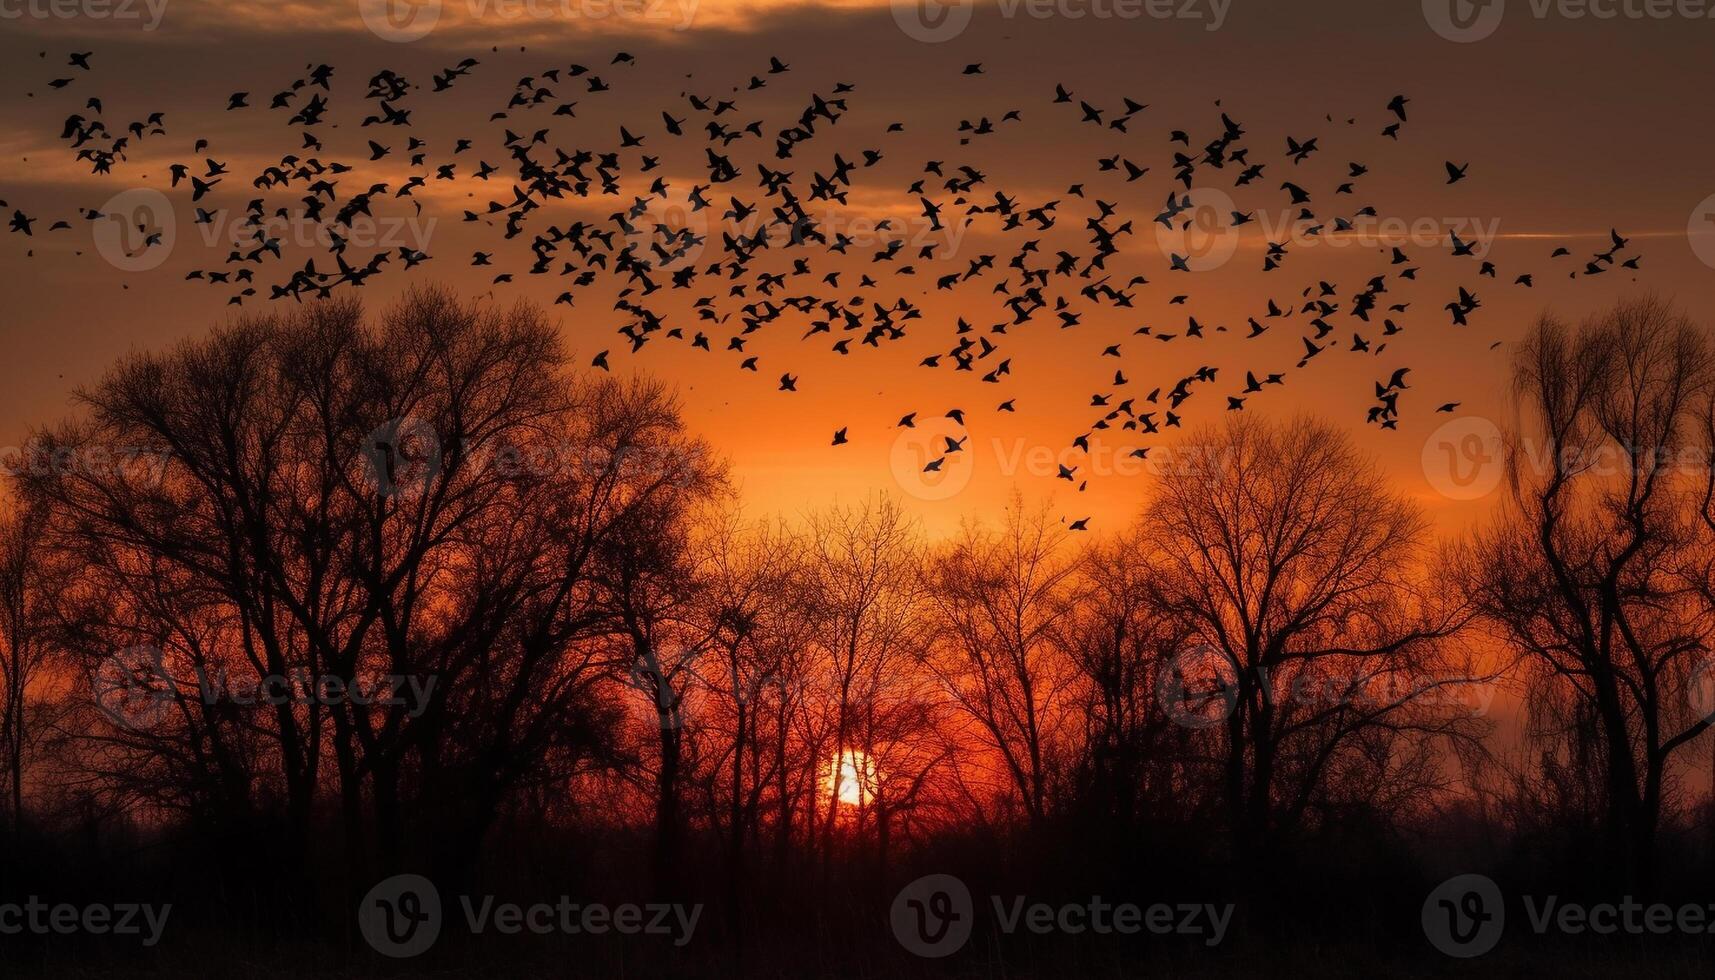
(1570, 126)
(969, 618)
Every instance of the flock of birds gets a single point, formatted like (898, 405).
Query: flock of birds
(779, 181)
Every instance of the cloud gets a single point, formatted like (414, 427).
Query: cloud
(431, 22)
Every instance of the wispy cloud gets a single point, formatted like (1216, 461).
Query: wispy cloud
(431, 22)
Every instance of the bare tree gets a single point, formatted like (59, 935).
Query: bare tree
(418, 503)
(754, 604)
(647, 576)
(30, 582)
(1000, 598)
(866, 563)
(1134, 762)
(1589, 568)
(1295, 567)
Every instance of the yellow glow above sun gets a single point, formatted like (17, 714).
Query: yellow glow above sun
(852, 779)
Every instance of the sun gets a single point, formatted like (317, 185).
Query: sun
(852, 779)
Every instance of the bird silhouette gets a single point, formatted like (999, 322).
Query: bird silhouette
(707, 222)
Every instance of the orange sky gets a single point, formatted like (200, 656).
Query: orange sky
(1571, 126)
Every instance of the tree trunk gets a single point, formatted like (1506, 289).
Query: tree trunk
(666, 870)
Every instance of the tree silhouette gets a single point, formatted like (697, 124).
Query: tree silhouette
(1000, 599)
(425, 500)
(1593, 570)
(1294, 567)
(31, 579)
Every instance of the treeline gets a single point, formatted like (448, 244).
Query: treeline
(410, 595)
